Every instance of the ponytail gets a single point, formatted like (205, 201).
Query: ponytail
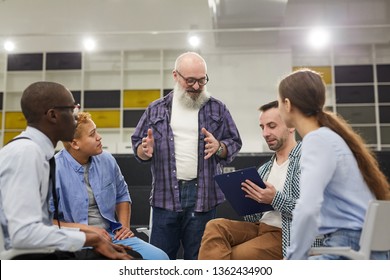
(366, 159)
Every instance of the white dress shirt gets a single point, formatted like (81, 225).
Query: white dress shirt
(24, 187)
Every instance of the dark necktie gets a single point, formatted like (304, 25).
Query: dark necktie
(52, 177)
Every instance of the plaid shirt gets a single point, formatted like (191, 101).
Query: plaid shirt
(216, 118)
(285, 201)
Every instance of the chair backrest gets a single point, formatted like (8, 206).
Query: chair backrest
(147, 230)
(376, 230)
(2, 247)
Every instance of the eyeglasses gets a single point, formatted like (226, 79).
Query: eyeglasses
(192, 81)
(76, 108)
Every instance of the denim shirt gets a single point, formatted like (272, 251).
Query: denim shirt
(106, 180)
(216, 118)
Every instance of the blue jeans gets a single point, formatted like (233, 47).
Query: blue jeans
(148, 251)
(170, 228)
(349, 238)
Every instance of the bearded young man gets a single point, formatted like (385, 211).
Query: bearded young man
(263, 236)
(187, 136)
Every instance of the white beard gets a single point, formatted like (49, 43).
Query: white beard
(188, 99)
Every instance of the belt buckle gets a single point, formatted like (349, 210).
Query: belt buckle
(182, 182)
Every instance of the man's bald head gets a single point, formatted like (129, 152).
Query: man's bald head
(39, 97)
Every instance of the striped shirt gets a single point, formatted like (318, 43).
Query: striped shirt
(284, 201)
(216, 118)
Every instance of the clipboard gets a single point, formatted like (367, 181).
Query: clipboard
(230, 184)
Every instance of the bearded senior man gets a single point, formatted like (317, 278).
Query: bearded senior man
(187, 136)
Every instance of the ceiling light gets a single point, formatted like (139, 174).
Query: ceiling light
(318, 37)
(89, 44)
(194, 41)
(9, 46)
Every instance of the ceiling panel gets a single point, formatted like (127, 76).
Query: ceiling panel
(144, 24)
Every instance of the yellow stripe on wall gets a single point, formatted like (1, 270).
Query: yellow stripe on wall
(15, 120)
(325, 71)
(106, 119)
(139, 98)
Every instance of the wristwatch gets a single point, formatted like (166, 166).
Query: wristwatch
(220, 150)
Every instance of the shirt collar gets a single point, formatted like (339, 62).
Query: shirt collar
(41, 139)
(73, 163)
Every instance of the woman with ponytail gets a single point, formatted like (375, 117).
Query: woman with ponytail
(340, 175)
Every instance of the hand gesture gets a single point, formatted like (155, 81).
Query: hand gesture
(148, 144)
(211, 146)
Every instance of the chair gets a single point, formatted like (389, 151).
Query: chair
(147, 230)
(12, 253)
(375, 234)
